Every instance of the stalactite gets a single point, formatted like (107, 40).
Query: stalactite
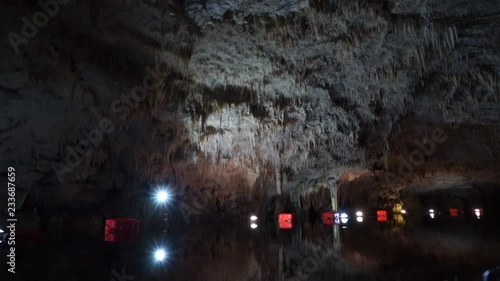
(386, 153)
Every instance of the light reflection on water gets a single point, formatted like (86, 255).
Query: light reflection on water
(361, 251)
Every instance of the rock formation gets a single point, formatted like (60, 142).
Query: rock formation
(244, 99)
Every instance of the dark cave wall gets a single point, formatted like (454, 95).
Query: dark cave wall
(249, 92)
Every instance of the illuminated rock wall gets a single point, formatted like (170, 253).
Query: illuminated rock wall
(242, 93)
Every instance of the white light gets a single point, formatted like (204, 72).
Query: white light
(431, 211)
(253, 218)
(403, 211)
(477, 210)
(432, 215)
(486, 274)
(344, 220)
(359, 219)
(359, 214)
(253, 225)
(162, 196)
(344, 215)
(160, 255)
(1, 231)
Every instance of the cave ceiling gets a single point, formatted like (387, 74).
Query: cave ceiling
(243, 92)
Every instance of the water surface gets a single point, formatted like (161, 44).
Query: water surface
(357, 251)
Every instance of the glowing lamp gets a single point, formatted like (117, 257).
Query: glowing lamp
(285, 225)
(454, 212)
(478, 212)
(162, 196)
(160, 255)
(382, 215)
(328, 216)
(285, 217)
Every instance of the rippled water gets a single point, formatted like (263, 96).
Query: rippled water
(358, 251)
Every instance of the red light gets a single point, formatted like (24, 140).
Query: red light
(454, 212)
(327, 216)
(328, 222)
(285, 221)
(285, 217)
(382, 219)
(381, 215)
(285, 225)
(121, 230)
